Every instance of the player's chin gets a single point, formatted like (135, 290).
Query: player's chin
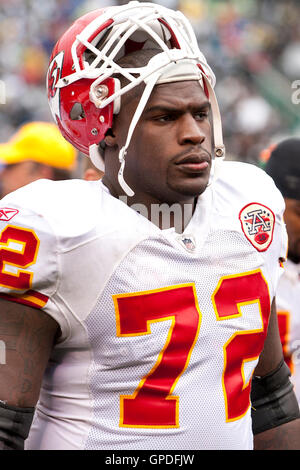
(190, 185)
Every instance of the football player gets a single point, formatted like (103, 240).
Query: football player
(139, 310)
(283, 166)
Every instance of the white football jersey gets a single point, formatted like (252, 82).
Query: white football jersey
(161, 331)
(288, 309)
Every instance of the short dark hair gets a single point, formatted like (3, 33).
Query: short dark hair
(61, 174)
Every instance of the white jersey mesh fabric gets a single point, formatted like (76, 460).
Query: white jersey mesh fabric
(120, 363)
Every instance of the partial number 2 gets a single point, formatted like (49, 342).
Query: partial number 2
(18, 249)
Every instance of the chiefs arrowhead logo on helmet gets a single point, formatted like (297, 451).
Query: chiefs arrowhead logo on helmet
(54, 74)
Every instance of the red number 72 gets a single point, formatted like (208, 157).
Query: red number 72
(152, 404)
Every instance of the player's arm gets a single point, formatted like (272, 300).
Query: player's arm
(275, 411)
(27, 336)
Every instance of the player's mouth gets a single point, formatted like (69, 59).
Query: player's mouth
(193, 163)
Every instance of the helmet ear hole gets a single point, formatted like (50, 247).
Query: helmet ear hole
(77, 112)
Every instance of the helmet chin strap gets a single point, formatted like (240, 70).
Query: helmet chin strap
(140, 108)
(219, 148)
(96, 158)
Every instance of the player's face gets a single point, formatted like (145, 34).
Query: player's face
(169, 156)
(292, 220)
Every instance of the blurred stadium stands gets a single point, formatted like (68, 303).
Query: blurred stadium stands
(252, 45)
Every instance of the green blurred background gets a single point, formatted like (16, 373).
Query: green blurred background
(253, 47)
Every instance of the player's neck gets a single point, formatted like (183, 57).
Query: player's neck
(163, 214)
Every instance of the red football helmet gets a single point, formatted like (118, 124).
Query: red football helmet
(83, 91)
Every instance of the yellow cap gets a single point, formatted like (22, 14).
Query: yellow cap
(41, 142)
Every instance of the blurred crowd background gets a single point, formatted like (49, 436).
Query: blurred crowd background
(252, 45)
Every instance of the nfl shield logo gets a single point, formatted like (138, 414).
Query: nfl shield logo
(188, 242)
(257, 223)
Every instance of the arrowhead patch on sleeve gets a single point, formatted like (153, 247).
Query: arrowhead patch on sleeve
(257, 223)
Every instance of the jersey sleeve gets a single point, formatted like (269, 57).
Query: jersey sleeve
(283, 247)
(243, 185)
(29, 272)
(278, 250)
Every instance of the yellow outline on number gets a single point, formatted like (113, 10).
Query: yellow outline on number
(238, 333)
(19, 252)
(160, 356)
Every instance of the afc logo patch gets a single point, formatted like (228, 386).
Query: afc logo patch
(257, 223)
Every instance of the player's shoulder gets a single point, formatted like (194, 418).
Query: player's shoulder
(49, 192)
(241, 172)
(246, 181)
(62, 204)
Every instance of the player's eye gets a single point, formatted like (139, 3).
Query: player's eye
(201, 115)
(165, 118)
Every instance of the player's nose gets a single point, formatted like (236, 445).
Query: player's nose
(190, 130)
